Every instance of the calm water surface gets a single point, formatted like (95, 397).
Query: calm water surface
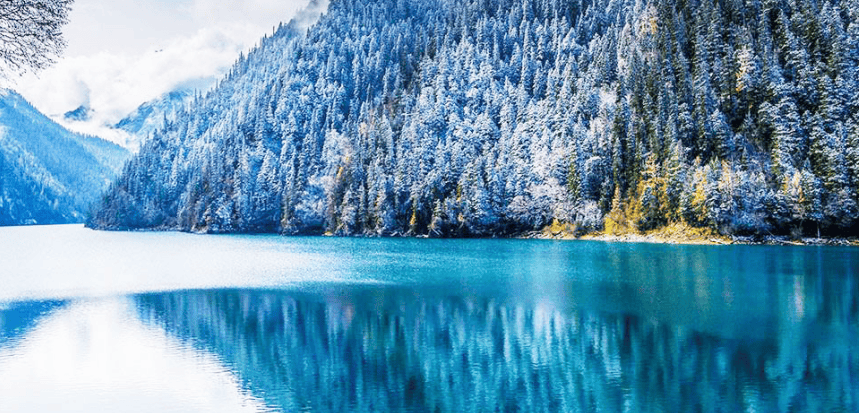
(96, 321)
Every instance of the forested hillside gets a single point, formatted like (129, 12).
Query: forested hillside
(494, 117)
(49, 175)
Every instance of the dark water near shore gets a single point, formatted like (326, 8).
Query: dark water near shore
(94, 321)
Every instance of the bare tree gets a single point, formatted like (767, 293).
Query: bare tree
(30, 35)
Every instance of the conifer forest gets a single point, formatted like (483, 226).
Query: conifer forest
(457, 118)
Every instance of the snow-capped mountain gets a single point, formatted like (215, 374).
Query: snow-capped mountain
(83, 113)
(136, 127)
(48, 174)
(455, 118)
(152, 116)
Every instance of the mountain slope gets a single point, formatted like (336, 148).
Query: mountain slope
(455, 118)
(49, 175)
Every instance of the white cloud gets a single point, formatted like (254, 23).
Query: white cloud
(114, 84)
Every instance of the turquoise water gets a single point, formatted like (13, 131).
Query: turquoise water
(98, 321)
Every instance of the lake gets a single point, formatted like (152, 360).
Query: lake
(171, 322)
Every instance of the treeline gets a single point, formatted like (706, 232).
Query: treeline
(495, 117)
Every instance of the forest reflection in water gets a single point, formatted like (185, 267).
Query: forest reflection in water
(397, 349)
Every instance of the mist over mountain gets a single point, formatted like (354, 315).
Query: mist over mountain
(495, 117)
(49, 175)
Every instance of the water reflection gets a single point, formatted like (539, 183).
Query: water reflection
(397, 349)
(17, 319)
(96, 356)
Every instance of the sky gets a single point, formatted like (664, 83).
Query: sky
(122, 53)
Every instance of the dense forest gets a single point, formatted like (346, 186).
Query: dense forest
(496, 117)
(49, 175)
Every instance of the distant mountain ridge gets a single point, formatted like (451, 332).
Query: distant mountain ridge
(485, 118)
(49, 175)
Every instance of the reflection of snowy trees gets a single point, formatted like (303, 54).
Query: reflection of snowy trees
(384, 350)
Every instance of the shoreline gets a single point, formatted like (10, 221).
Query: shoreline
(680, 240)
